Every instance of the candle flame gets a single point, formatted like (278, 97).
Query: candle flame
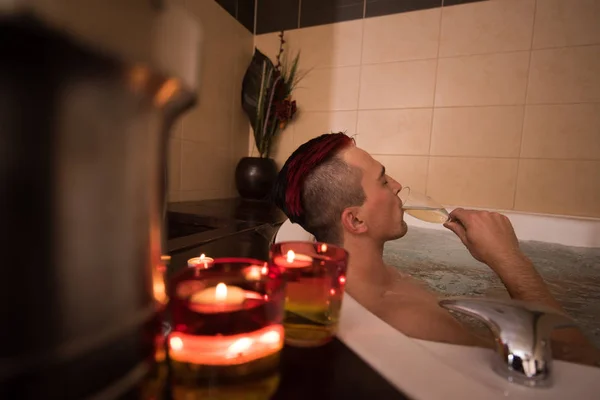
(221, 292)
(264, 270)
(202, 257)
(176, 343)
(323, 248)
(239, 346)
(342, 279)
(291, 256)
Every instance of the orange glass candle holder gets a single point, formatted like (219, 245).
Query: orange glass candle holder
(316, 275)
(227, 322)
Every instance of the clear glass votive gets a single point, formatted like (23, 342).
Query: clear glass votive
(316, 275)
(227, 326)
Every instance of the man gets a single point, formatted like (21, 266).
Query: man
(341, 195)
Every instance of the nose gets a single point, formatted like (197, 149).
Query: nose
(396, 187)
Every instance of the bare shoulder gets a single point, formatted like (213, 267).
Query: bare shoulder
(428, 321)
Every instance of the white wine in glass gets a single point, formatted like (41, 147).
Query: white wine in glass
(422, 206)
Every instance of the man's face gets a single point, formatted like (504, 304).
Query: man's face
(382, 210)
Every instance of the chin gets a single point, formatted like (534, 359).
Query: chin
(401, 232)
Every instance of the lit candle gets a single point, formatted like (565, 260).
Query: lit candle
(202, 261)
(293, 260)
(220, 298)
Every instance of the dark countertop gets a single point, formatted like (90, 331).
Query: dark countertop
(237, 209)
(332, 371)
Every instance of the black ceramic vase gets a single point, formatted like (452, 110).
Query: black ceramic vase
(254, 177)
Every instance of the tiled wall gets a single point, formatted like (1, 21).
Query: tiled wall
(491, 104)
(207, 142)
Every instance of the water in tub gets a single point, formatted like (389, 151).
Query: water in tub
(440, 260)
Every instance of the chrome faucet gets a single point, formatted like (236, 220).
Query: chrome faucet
(522, 335)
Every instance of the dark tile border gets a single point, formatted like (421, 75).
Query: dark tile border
(377, 8)
(242, 10)
(322, 12)
(277, 15)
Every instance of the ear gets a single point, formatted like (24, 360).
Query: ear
(352, 222)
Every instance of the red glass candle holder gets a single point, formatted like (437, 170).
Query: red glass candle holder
(227, 322)
(316, 275)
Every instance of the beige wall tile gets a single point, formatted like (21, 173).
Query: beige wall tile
(173, 197)
(487, 27)
(206, 167)
(495, 79)
(395, 131)
(283, 147)
(397, 85)
(268, 43)
(313, 124)
(400, 37)
(475, 182)
(332, 45)
(326, 89)
(559, 187)
(562, 131)
(408, 170)
(477, 131)
(567, 75)
(566, 23)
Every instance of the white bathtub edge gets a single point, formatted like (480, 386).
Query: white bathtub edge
(559, 229)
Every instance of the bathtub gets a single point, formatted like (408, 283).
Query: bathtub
(430, 370)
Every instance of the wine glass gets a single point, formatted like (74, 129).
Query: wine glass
(423, 207)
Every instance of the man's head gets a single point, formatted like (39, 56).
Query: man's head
(335, 190)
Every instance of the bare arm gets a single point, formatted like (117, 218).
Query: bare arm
(431, 323)
(490, 238)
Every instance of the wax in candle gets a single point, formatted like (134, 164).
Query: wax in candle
(219, 295)
(293, 260)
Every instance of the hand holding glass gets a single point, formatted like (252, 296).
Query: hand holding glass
(422, 206)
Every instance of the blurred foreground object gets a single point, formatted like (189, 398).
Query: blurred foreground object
(88, 92)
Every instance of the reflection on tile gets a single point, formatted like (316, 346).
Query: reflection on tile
(333, 45)
(408, 170)
(477, 131)
(320, 12)
(487, 27)
(475, 182)
(567, 75)
(395, 131)
(377, 8)
(329, 89)
(397, 85)
(313, 124)
(174, 165)
(559, 187)
(562, 131)
(494, 79)
(566, 23)
(400, 37)
(276, 15)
